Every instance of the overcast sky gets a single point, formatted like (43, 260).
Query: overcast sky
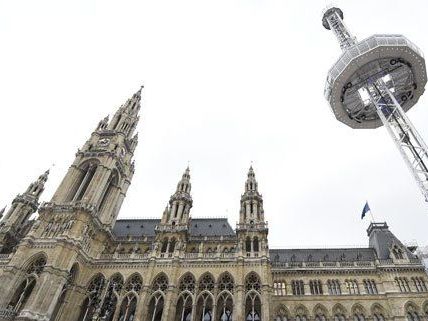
(226, 83)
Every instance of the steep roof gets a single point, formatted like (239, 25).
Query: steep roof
(198, 227)
(326, 255)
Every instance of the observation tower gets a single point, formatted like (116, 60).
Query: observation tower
(373, 83)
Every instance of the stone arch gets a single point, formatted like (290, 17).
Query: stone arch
(225, 303)
(320, 312)
(156, 302)
(358, 312)
(253, 306)
(86, 171)
(226, 282)
(187, 282)
(38, 259)
(160, 282)
(425, 308)
(252, 282)
(184, 310)
(134, 282)
(204, 305)
(378, 312)
(128, 307)
(339, 308)
(412, 311)
(94, 288)
(31, 269)
(206, 282)
(282, 313)
(301, 310)
(110, 189)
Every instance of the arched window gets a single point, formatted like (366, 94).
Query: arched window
(206, 283)
(115, 285)
(172, 245)
(252, 307)
(66, 289)
(134, 283)
(359, 313)
(256, 244)
(127, 308)
(93, 296)
(87, 172)
(185, 301)
(225, 282)
(109, 191)
(184, 307)
(412, 313)
(224, 306)
(164, 245)
(339, 313)
(320, 313)
(204, 311)
(252, 282)
(281, 315)
(157, 301)
(339, 317)
(248, 244)
(26, 286)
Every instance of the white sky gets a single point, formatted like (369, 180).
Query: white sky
(227, 82)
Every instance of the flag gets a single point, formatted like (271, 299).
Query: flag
(365, 210)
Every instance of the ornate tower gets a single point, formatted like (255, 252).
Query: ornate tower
(174, 225)
(102, 171)
(15, 224)
(252, 229)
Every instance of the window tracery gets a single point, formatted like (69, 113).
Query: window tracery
(226, 282)
(281, 315)
(134, 283)
(93, 298)
(206, 283)
(252, 282)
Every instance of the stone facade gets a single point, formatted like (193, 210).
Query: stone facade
(77, 262)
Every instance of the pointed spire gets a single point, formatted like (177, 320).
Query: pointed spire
(126, 117)
(36, 188)
(251, 183)
(44, 177)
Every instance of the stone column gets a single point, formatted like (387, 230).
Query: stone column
(141, 311)
(265, 295)
(238, 304)
(169, 305)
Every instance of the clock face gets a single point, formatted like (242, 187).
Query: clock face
(104, 142)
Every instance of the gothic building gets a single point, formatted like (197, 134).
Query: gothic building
(77, 262)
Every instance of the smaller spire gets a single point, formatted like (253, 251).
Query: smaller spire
(44, 177)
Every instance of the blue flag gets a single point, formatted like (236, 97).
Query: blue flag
(365, 210)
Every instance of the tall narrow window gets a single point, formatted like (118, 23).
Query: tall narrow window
(156, 305)
(93, 297)
(88, 174)
(26, 287)
(256, 244)
(109, 192)
(66, 289)
(248, 244)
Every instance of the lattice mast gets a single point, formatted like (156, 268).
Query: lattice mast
(375, 82)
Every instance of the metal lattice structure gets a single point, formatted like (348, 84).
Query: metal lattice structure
(374, 83)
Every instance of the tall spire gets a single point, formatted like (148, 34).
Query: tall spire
(180, 202)
(251, 201)
(37, 187)
(126, 117)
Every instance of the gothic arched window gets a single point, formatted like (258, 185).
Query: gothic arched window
(204, 311)
(115, 285)
(248, 244)
(252, 307)
(256, 244)
(184, 307)
(172, 245)
(93, 298)
(127, 308)
(224, 306)
(206, 283)
(412, 313)
(225, 282)
(281, 315)
(157, 301)
(87, 172)
(252, 282)
(187, 283)
(134, 283)
(164, 245)
(26, 286)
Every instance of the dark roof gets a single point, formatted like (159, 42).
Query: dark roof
(326, 255)
(210, 227)
(382, 240)
(198, 227)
